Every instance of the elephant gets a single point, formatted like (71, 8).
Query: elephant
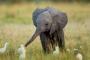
(50, 24)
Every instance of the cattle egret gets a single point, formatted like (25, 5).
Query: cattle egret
(21, 52)
(2, 50)
(78, 54)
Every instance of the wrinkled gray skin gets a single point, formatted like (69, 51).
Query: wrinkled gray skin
(49, 25)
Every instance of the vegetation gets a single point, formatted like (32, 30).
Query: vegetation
(16, 28)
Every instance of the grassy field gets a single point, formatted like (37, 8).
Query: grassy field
(16, 28)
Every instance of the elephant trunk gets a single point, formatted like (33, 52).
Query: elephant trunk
(37, 32)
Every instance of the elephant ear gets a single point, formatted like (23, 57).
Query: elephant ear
(36, 13)
(59, 21)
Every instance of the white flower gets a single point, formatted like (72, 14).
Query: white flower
(2, 50)
(68, 50)
(56, 50)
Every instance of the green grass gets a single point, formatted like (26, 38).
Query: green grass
(16, 27)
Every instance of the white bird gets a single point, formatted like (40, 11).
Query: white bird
(78, 55)
(2, 50)
(22, 52)
(56, 50)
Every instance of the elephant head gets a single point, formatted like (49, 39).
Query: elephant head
(49, 20)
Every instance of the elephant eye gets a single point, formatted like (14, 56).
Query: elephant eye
(46, 24)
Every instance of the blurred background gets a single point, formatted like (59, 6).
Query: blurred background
(19, 1)
(16, 27)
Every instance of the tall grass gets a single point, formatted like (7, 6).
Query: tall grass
(16, 28)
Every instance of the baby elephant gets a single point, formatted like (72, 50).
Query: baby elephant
(49, 24)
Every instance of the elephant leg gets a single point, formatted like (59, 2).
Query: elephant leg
(54, 44)
(61, 41)
(48, 46)
(45, 42)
